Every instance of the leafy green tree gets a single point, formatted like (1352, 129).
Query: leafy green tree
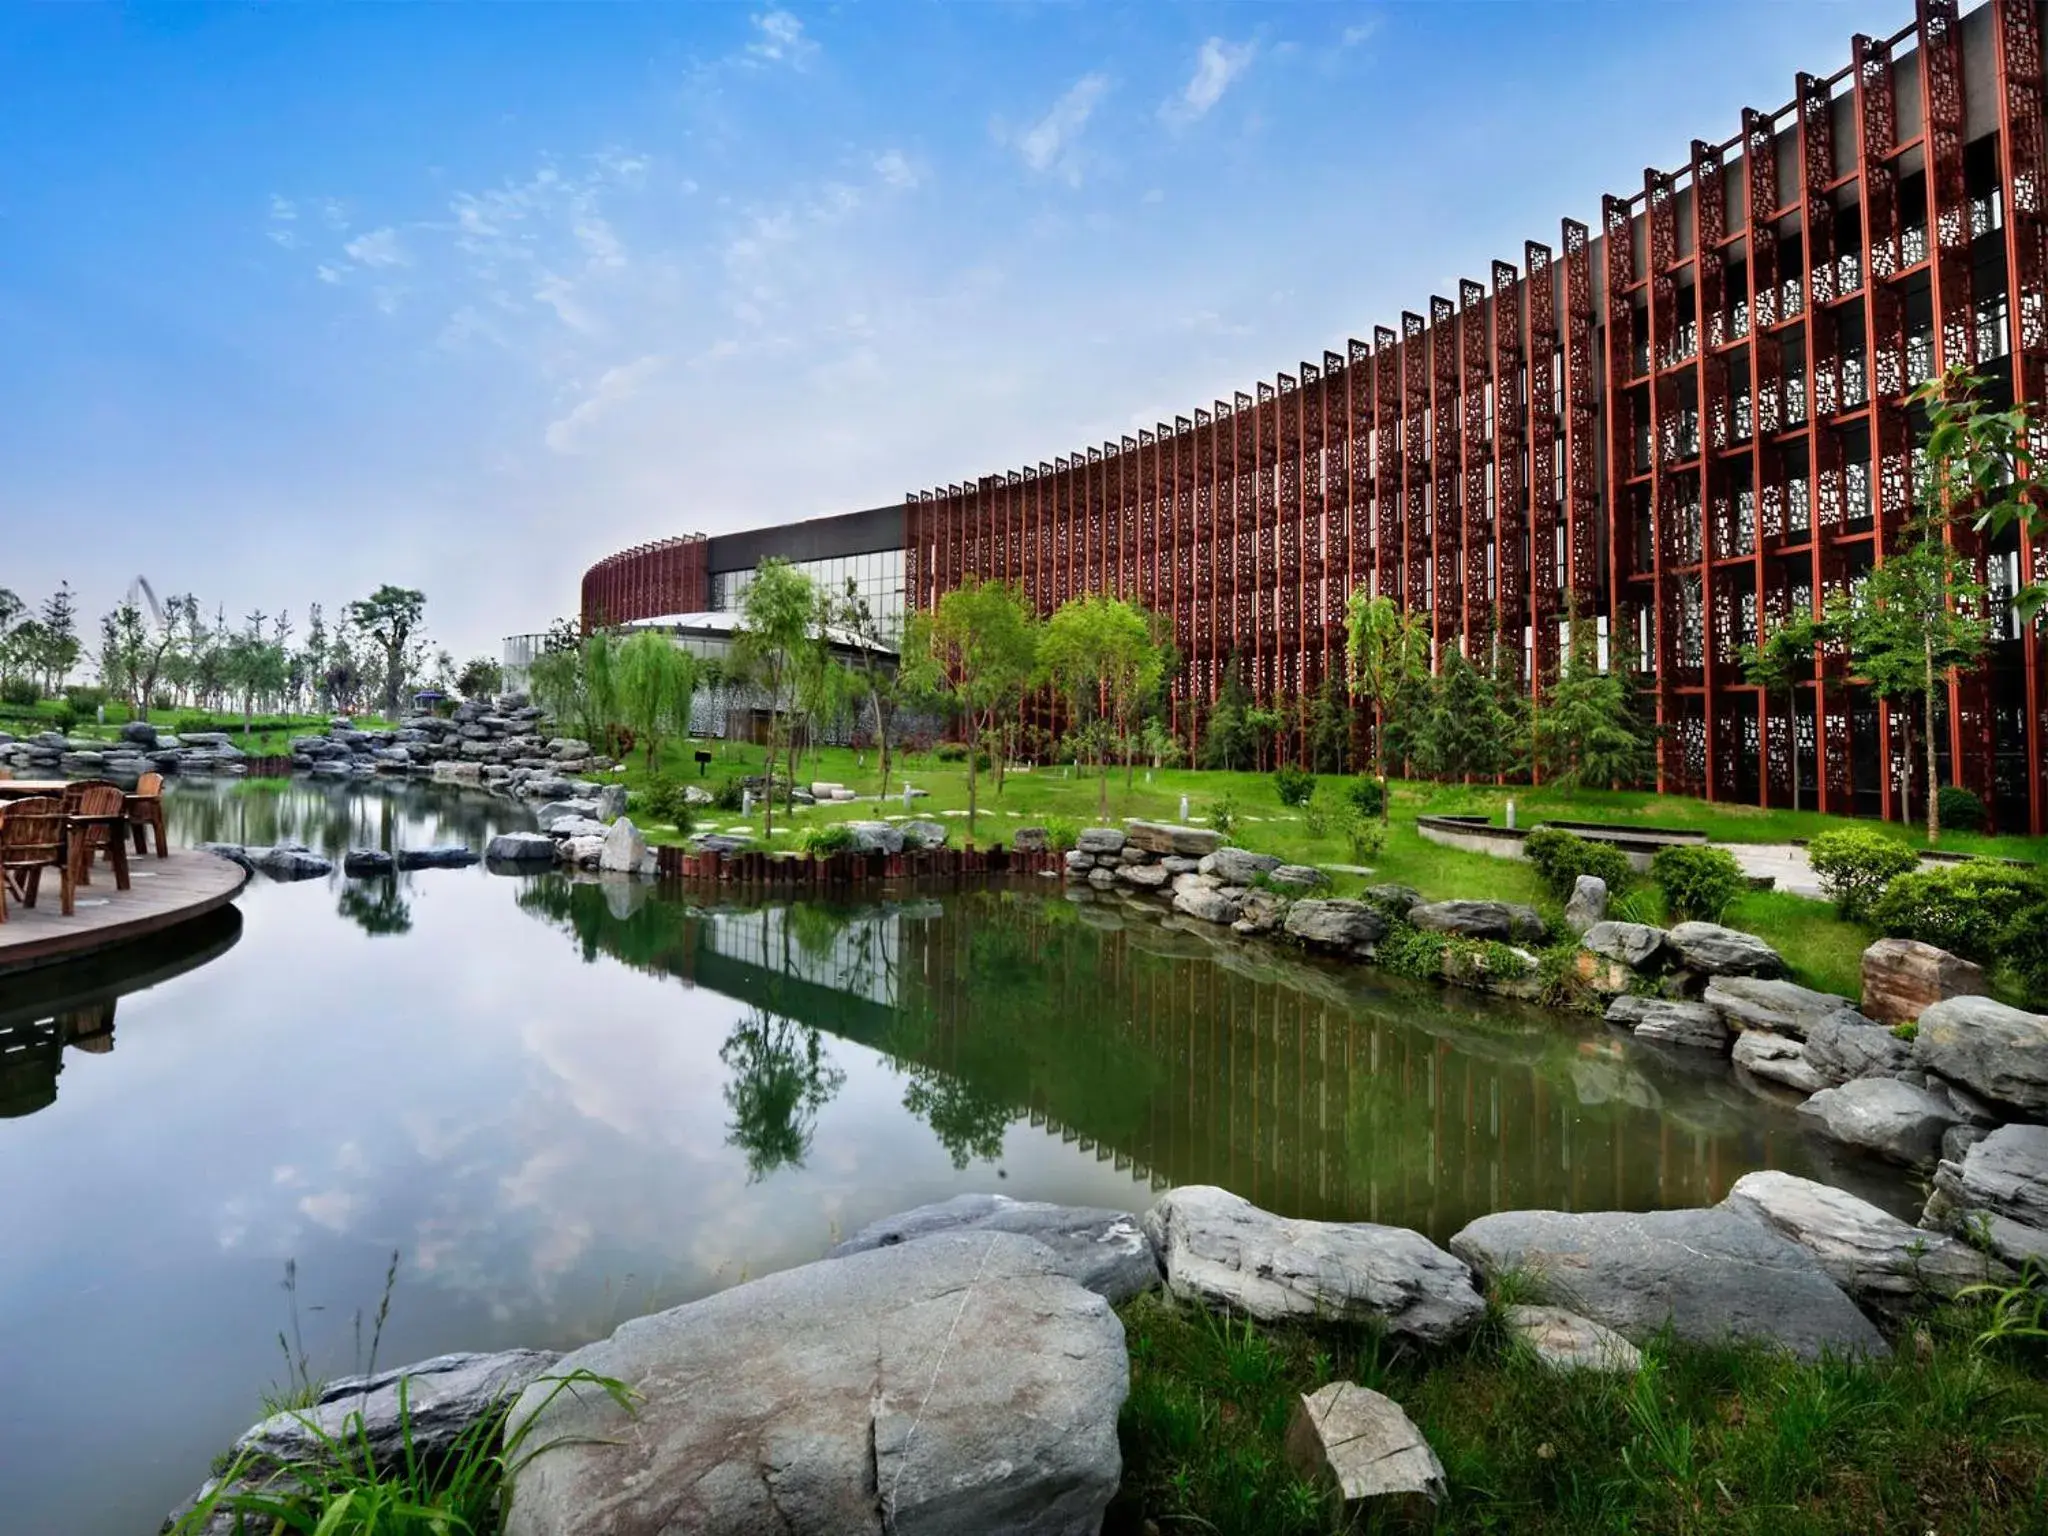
(600, 690)
(1978, 458)
(1466, 731)
(872, 666)
(1098, 652)
(480, 678)
(123, 637)
(657, 683)
(775, 629)
(60, 648)
(1228, 743)
(1910, 622)
(1780, 665)
(781, 1078)
(389, 616)
(1329, 729)
(977, 647)
(1389, 667)
(1586, 731)
(257, 669)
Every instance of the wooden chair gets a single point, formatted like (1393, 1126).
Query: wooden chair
(31, 841)
(146, 810)
(93, 797)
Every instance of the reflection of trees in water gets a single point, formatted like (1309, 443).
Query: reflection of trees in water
(781, 1078)
(332, 816)
(968, 1123)
(376, 906)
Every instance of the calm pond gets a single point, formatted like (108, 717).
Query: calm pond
(566, 1103)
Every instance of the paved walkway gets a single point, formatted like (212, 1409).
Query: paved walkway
(1786, 864)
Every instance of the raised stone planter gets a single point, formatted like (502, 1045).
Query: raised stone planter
(1903, 978)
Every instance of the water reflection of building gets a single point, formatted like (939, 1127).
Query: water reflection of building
(1313, 1091)
(73, 1005)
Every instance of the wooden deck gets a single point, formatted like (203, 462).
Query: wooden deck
(163, 893)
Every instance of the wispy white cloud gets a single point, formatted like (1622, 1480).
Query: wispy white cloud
(378, 248)
(780, 39)
(1359, 32)
(613, 389)
(1052, 144)
(283, 209)
(896, 170)
(327, 272)
(1217, 65)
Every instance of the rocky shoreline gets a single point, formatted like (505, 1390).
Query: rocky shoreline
(961, 1366)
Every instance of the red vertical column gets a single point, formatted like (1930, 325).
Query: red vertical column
(1618, 238)
(1513, 528)
(2023, 166)
(1541, 398)
(1474, 617)
(1446, 409)
(1415, 470)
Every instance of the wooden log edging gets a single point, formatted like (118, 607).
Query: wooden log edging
(781, 872)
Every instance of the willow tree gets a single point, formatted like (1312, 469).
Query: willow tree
(977, 647)
(657, 681)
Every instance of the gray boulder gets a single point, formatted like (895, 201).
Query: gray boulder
(1237, 866)
(141, 732)
(363, 863)
(1030, 840)
(875, 837)
(440, 856)
(1397, 899)
(1755, 1002)
(1146, 877)
(1713, 950)
(1884, 1116)
(1219, 904)
(1878, 1259)
(1104, 1251)
(1363, 1444)
(1171, 838)
(624, 850)
(582, 852)
(1996, 1194)
(234, 853)
(1588, 903)
(1777, 1058)
(1263, 911)
(1102, 877)
(563, 827)
(555, 810)
(611, 802)
(1671, 1021)
(1077, 861)
(1635, 945)
(290, 861)
(444, 1396)
(1224, 1251)
(1351, 926)
(1503, 920)
(1565, 1341)
(1845, 1047)
(1100, 840)
(958, 1383)
(1998, 1052)
(1903, 978)
(527, 848)
(924, 834)
(1296, 878)
(1712, 1275)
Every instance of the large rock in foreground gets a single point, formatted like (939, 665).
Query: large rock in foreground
(1635, 945)
(1783, 1007)
(443, 1397)
(1998, 1192)
(1877, 1258)
(1565, 1341)
(1503, 920)
(1997, 1052)
(1884, 1116)
(1352, 926)
(1903, 978)
(1106, 1251)
(957, 1383)
(1364, 1445)
(520, 848)
(1713, 950)
(1713, 1275)
(1845, 1047)
(1224, 1251)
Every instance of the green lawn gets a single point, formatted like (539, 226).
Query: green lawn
(1823, 950)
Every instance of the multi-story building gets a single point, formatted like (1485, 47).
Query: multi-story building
(1686, 422)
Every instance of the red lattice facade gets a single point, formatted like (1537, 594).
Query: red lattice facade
(648, 581)
(1689, 423)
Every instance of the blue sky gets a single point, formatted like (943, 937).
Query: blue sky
(295, 300)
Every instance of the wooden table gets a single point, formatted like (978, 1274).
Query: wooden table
(26, 789)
